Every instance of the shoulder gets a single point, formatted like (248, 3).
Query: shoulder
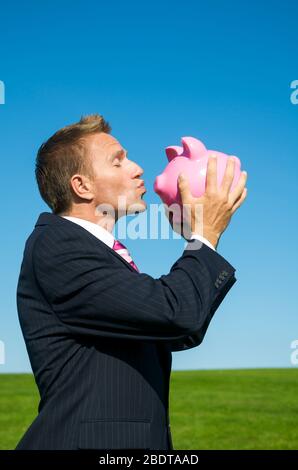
(67, 242)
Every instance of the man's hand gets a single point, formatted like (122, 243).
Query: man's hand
(210, 214)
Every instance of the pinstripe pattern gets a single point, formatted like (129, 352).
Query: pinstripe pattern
(99, 336)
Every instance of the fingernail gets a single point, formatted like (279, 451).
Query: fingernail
(182, 176)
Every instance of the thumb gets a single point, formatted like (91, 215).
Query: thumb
(168, 213)
(183, 186)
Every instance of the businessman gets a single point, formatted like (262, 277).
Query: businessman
(99, 333)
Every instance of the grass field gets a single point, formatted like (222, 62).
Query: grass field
(224, 409)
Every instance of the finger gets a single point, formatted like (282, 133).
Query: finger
(240, 200)
(168, 213)
(183, 185)
(211, 175)
(228, 176)
(237, 191)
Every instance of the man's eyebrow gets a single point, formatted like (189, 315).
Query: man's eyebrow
(119, 153)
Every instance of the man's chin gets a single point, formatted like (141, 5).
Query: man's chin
(137, 207)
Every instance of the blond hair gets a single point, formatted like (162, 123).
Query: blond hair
(63, 155)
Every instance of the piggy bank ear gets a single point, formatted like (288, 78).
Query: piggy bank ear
(193, 148)
(173, 151)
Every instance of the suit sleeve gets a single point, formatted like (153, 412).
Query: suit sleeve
(94, 294)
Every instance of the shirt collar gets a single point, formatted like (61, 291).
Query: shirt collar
(96, 230)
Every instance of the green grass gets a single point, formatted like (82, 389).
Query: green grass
(19, 400)
(224, 409)
(235, 409)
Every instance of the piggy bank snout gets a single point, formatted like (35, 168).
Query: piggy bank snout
(159, 183)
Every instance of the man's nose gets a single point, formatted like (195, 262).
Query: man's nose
(138, 171)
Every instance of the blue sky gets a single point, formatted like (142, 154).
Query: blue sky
(219, 71)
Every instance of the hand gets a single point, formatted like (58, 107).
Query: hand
(210, 214)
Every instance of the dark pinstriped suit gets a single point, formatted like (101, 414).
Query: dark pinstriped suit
(99, 336)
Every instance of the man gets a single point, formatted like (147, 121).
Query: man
(99, 333)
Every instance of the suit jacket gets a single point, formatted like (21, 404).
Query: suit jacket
(99, 336)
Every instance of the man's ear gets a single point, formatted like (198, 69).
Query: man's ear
(82, 186)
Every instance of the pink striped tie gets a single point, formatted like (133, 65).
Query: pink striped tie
(123, 251)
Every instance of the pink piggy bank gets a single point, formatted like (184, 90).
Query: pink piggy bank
(191, 159)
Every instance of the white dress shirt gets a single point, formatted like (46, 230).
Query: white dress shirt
(108, 238)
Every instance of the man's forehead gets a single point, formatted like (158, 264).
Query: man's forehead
(104, 143)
